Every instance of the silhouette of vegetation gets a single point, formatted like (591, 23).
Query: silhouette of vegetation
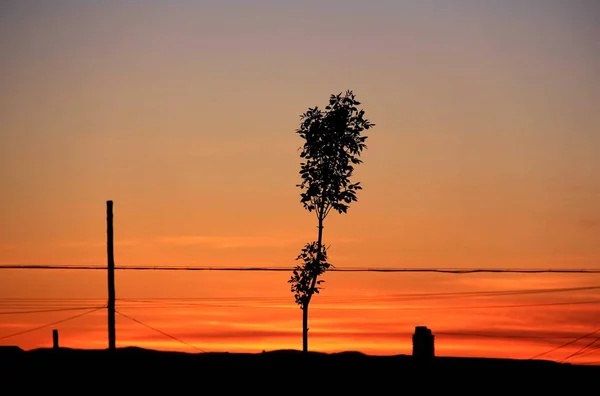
(333, 143)
(254, 372)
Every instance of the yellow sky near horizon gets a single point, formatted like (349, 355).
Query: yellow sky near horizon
(484, 155)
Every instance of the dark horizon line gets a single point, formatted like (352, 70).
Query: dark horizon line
(278, 269)
(347, 352)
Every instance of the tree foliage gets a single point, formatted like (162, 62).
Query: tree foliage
(310, 269)
(333, 143)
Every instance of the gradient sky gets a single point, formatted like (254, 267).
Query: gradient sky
(484, 154)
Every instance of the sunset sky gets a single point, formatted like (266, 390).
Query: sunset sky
(484, 155)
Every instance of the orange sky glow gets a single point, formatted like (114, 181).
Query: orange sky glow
(484, 155)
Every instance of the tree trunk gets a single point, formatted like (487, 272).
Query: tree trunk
(305, 328)
(312, 288)
(320, 239)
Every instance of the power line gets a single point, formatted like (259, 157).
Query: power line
(45, 310)
(57, 299)
(395, 296)
(30, 305)
(41, 305)
(501, 306)
(565, 345)
(193, 301)
(171, 305)
(579, 352)
(159, 331)
(287, 269)
(48, 301)
(51, 324)
(592, 349)
(498, 336)
(574, 354)
(484, 293)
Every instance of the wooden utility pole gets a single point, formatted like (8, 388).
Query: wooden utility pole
(112, 337)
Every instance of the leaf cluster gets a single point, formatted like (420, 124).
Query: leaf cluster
(333, 144)
(312, 266)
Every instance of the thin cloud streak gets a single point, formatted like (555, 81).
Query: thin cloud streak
(211, 241)
(224, 242)
(503, 333)
(97, 244)
(448, 342)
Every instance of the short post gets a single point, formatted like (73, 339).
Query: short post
(55, 339)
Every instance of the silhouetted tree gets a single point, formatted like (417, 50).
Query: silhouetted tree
(333, 144)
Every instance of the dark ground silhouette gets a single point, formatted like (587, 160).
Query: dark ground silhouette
(286, 372)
